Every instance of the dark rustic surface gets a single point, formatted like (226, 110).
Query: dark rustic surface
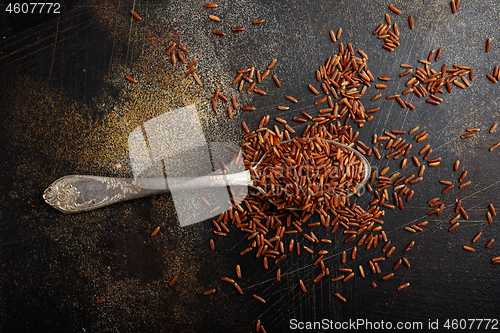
(67, 109)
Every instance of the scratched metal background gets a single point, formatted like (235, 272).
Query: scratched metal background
(67, 109)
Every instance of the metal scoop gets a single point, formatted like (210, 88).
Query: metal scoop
(80, 193)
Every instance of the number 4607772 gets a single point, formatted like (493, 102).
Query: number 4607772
(34, 8)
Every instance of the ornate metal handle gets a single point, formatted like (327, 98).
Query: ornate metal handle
(80, 193)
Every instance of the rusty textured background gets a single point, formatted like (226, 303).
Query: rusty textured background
(67, 109)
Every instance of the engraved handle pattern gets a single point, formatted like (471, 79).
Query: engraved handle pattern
(79, 193)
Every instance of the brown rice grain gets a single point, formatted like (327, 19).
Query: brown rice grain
(191, 70)
(495, 146)
(406, 262)
(155, 232)
(209, 292)
(277, 81)
(218, 32)
(476, 237)
(410, 105)
(462, 177)
(422, 169)
(238, 288)
(197, 79)
(259, 299)
(332, 36)
(492, 79)
(388, 19)
(389, 253)
(410, 245)
(314, 90)
(403, 286)
(492, 210)
(468, 248)
(395, 10)
(409, 196)
(192, 63)
(226, 279)
(271, 65)
(348, 277)
(302, 286)
(423, 138)
(135, 15)
(340, 297)
(387, 277)
(406, 72)
(410, 21)
(414, 129)
(173, 280)
(238, 271)
(237, 78)
(377, 30)
(439, 53)
(131, 79)
(465, 184)
(401, 102)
